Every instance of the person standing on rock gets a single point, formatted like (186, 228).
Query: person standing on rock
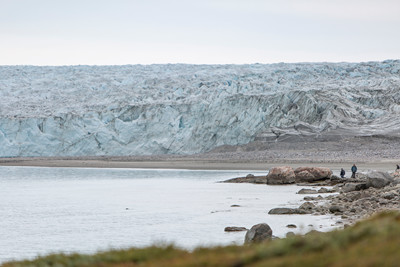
(354, 170)
(342, 173)
(397, 167)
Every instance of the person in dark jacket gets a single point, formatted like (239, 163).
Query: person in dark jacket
(354, 170)
(397, 167)
(342, 173)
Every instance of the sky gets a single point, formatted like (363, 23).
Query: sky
(117, 32)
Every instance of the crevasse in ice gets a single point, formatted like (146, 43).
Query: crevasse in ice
(184, 109)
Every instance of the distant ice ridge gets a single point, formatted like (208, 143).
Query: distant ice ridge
(184, 109)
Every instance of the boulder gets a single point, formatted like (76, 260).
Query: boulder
(307, 191)
(281, 175)
(335, 209)
(349, 187)
(291, 226)
(324, 190)
(378, 179)
(234, 229)
(312, 174)
(282, 211)
(258, 233)
(307, 206)
(308, 198)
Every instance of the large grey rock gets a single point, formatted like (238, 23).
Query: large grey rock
(258, 233)
(281, 175)
(281, 211)
(378, 179)
(312, 174)
(349, 187)
(335, 209)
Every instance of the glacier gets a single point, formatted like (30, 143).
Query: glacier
(187, 109)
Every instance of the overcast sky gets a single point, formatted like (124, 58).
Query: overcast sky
(108, 32)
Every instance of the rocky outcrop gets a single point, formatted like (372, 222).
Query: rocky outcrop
(357, 204)
(281, 175)
(258, 233)
(312, 174)
(319, 176)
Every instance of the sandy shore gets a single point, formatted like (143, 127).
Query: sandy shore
(190, 163)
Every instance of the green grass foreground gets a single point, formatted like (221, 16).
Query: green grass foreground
(372, 242)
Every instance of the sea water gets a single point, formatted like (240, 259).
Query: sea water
(85, 210)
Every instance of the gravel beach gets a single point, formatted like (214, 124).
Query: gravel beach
(368, 153)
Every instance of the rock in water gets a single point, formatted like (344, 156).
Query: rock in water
(281, 175)
(234, 229)
(280, 211)
(307, 191)
(258, 233)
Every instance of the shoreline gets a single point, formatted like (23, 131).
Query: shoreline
(191, 163)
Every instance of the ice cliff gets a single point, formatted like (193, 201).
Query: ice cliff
(157, 109)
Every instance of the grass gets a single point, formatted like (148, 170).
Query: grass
(372, 242)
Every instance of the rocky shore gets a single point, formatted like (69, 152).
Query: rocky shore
(355, 198)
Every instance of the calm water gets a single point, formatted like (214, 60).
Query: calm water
(45, 210)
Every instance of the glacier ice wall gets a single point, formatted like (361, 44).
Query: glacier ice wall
(184, 109)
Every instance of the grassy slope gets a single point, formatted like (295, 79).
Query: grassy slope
(373, 242)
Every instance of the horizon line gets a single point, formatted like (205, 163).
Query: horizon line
(198, 64)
